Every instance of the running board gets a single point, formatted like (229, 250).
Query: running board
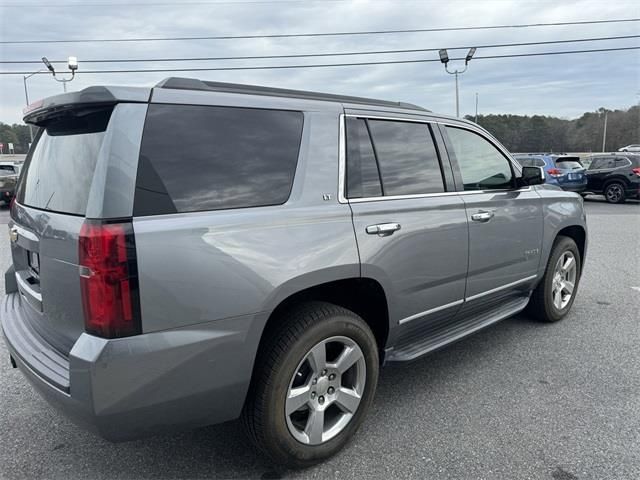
(435, 336)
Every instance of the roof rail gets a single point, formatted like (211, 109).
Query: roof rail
(195, 84)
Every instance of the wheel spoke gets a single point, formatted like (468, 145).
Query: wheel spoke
(318, 358)
(297, 398)
(568, 287)
(348, 400)
(568, 264)
(347, 358)
(557, 298)
(315, 426)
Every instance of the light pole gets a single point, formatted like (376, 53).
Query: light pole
(444, 58)
(26, 96)
(604, 133)
(72, 63)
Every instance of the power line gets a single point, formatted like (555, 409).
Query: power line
(328, 34)
(323, 65)
(153, 4)
(333, 54)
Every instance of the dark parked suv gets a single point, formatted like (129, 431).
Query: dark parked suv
(226, 250)
(615, 175)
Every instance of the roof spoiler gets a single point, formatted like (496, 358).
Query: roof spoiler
(37, 112)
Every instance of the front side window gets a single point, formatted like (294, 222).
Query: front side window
(483, 166)
(197, 158)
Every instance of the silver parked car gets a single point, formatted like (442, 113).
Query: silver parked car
(226, 251)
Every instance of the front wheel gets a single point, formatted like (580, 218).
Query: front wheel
(315, 379)
(553, 297)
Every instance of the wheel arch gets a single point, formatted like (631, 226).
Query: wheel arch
(579, 235)
(364, 296)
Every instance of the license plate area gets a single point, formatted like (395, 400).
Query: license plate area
(33, 260)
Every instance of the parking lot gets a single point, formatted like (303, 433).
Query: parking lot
(518, 400)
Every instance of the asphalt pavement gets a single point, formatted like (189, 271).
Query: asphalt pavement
(520, 400)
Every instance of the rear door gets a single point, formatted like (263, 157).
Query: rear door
(505, 222)
(409, 222)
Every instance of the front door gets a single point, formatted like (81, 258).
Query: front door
(505, 222)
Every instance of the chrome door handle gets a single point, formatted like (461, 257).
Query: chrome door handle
(383, 228)
(482, 216)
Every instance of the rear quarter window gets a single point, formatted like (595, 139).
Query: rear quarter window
(198, 158)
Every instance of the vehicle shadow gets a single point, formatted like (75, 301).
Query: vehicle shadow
(223, 451)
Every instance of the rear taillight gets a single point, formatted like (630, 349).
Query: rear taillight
(636, 171)
(555, 172)
(109, 279)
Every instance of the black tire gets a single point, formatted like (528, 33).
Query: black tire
(279, 357)
(541, 306)
(614, 192)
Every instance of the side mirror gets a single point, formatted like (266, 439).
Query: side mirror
(531, 176)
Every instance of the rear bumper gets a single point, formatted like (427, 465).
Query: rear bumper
(136, 386)
(573, 187)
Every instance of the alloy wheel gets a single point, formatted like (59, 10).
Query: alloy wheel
(564, 280)
(325, 390)
(614, 193)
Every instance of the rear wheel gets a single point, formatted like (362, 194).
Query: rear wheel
(614, 192)
(314, 382)
(553, 297)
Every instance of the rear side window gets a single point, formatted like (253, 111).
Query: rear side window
(387, 157)
(363, 178)
(59, 169)
(622, 162)
(196, 158)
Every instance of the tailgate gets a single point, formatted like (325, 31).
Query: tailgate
(46, 219)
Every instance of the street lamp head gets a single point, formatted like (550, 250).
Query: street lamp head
(444, 57)
(469, 56)
(73, 63)
(48, 65)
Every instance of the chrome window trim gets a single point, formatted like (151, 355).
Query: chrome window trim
(466, 299)
(342, 159)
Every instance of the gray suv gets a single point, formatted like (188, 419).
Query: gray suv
(224, 251)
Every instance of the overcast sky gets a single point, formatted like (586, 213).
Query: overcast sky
(562, 85)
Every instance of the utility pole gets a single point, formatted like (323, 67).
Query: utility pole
(444, 58)
(604, 134)
(476, 119)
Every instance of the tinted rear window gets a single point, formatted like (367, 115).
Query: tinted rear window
(407, 157)
(363, 178)
(196, 158)
(568, 164)
(60, 167)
